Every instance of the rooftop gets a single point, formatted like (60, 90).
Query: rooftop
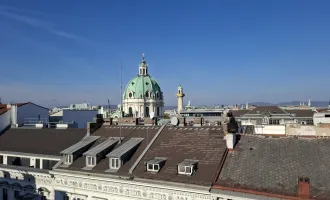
(180, 143)
(267, 109)
(238, 113)
(273, 165)
(45, 141)
(105, 133)
(301, 113)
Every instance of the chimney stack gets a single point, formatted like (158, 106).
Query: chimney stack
(13, 115)
(230, 140)
(303, 187)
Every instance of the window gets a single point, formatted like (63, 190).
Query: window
(187, 170)
(65, 197)
(1, 159)
(91, 160)
(187, 167)
(16, 193)
(114, 163)
(4, 194)
(37, 165)
(153, 167)
(68, 159)
(157, 95)
(130, 95)
(147, 94)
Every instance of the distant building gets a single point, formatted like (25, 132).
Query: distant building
(21, 114)
(273, 115)
(73, 118)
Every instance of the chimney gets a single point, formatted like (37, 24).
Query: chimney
(13, 115)
(230, 140)
(303, 187)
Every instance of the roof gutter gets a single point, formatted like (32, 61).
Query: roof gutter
(246, 191)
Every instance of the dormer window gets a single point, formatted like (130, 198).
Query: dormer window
(68, 159)
(187, 167)
(153, 167)
(114, 163)
(122, 154)
(91, 161)
(75, 151)
(156, 164)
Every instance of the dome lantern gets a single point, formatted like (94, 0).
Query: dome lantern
(143, 67)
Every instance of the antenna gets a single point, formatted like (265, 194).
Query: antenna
(109, 107)
(121, 89)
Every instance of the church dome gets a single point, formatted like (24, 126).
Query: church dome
(143, 85)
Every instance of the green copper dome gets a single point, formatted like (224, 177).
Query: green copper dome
(142, 86)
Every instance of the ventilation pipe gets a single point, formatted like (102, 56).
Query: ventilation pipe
(13, 116)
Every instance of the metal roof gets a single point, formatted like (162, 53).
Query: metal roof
(157, 160)
(82, 143)
(127, 146)
(188, 162)
(101, 147)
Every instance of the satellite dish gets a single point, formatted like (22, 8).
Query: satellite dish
(152, 115)
(174, 121)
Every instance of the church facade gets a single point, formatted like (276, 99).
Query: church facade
(143, 96)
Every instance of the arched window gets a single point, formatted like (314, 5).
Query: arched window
(130, 95)
(157, 95)
(147, 112)
(147, 94)
(157, 112)
(130, 111)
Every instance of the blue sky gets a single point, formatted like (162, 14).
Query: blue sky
(222, 52)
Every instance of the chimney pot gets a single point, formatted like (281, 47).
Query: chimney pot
(304, 187)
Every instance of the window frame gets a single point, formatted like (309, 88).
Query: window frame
(90, 161)
(184, 172)
(68, 159)
(152, 169)
(115, 163)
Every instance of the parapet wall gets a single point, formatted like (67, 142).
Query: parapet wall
(304, 130)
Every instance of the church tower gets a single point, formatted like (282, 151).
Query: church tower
(309, 102)
(180, 96)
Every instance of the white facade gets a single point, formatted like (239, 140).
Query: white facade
(269, 129)
(4, 120)
(321, 118)
(139, 106)
(56, 185)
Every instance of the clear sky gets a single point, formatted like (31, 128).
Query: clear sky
(222, 52)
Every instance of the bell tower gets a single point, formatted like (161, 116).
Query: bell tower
(180, 96)
(143, 67)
